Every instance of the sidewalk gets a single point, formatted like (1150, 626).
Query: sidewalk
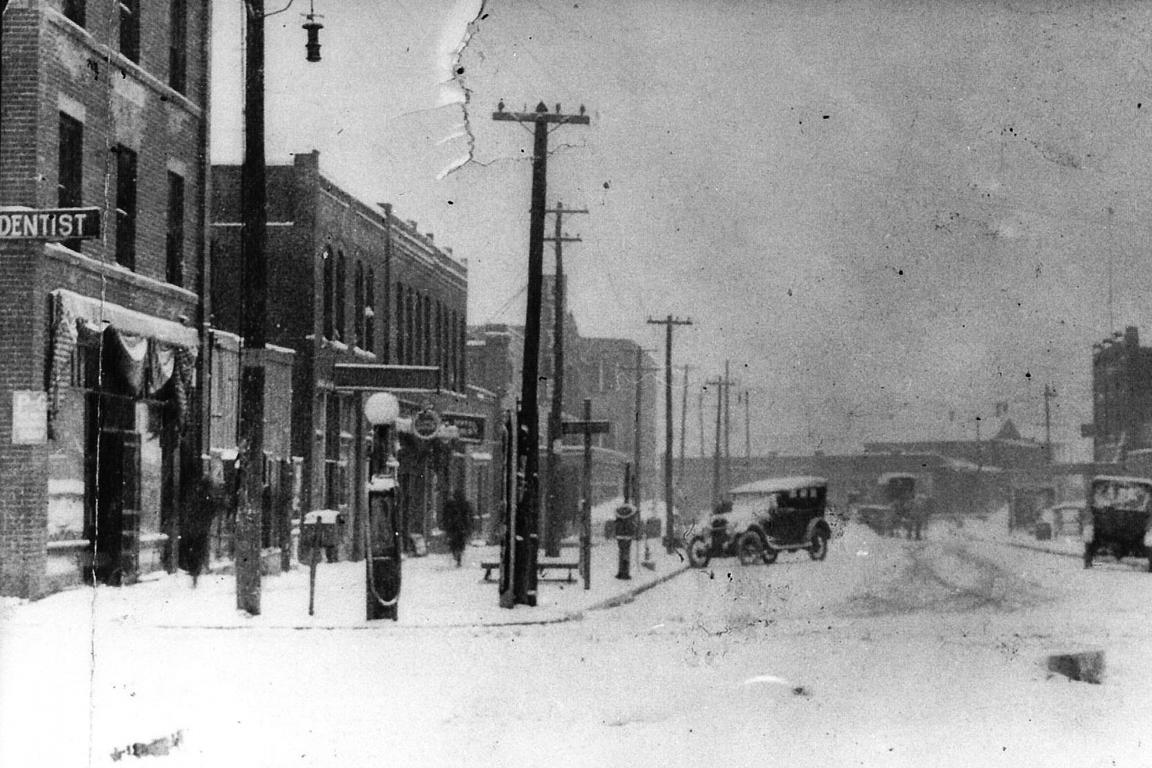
(434, 593)
(995, 529)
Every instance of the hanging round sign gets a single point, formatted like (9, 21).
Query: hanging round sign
(426, 423)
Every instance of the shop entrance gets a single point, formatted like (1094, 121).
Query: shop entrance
(116, 513)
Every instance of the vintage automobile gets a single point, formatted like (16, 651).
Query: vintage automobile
(768, 517)
(719, 536)
(1118, 518)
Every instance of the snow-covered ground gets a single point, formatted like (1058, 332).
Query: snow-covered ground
(889, 653)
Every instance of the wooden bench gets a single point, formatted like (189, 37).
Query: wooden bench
(542, 567)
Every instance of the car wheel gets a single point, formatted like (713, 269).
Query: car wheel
(699, 552)
(770, 555)
(749, 548)
(818, 550)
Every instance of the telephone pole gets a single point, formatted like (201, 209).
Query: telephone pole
(722, 385)
(683, 422)
(522, 585)
(700, 414)
(669, 323)
(552, 516)
(1049, 393)
(727, 427)
(639, 370)
(747, 430)
(250, 486)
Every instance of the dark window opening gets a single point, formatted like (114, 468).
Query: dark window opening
(125, 207)
(175, 242)
(358, 307)
(341, 297)
(328, 281)
(130, 29)
(401, 327)
(370, 311)
(74, 10)
(71, 167)
(178, 46)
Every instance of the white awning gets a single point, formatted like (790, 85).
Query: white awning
(121, 318)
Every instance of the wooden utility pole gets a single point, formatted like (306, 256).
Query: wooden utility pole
(527, 523)
(722, 386)
(719, 384)
(639, 370)
(727, 428)
(250, 485)
(1049, 393)
(552, 516)
(587, 427)
(747, 430)
(700, 414)
(669, 323)
(683, 423)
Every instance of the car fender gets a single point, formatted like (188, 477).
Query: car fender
(817, 524)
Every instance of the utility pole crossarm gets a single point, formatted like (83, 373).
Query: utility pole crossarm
(541, 115)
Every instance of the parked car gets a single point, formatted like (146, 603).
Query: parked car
(1064, 519)
(1118, 519)
(763, 519)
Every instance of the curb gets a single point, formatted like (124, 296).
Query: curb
(630, 595)
(391, 626)
(1031, 547)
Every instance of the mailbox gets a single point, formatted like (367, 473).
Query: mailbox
(322, 529)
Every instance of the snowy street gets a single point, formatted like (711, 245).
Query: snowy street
(888, 653)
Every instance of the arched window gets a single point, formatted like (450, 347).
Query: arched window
(427, 359)
(370, 311)
(341, 296)
(358, 307)
(439, 359)
(329, 284)
(401, 326)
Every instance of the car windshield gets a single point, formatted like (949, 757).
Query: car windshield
(750, 507)
(1120, 495)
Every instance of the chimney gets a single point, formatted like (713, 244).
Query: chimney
(411, 224)
(1131, 337)
(430, 237)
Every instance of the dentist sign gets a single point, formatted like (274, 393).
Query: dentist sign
(51, 224)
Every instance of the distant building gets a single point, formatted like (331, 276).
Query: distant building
(600, 369)
(1121, 396)
(1005, 450)
(604, 370)
(101, 106)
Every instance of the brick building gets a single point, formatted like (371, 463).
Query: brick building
(604, 370)
(367, 303)
(102, 105)
(1121, 396)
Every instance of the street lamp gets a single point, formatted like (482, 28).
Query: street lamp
(312, 27)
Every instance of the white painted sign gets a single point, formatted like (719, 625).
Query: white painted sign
(29, 417)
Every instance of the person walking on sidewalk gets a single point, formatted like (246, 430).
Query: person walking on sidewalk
(627, 528)
(457, 524)
(199, 508)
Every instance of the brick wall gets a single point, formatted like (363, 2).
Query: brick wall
(51, 65)
(23, 469)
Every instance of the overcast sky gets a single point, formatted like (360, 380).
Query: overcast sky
(888, 215)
